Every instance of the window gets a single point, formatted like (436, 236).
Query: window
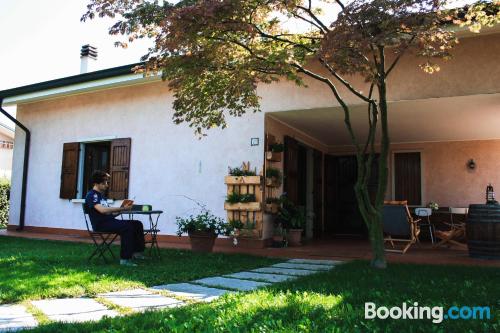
(81, 159)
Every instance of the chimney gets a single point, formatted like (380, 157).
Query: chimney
(88, 56)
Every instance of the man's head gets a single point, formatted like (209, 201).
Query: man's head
(100, 180)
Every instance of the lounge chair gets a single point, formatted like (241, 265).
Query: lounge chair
(399, 226)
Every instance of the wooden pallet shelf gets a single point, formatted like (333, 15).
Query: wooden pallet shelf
(243, 206)
(242, 180)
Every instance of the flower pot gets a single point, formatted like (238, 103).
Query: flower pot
(202, 241)
(272, 208)
(294, 236)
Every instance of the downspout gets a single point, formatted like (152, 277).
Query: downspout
(25, 165)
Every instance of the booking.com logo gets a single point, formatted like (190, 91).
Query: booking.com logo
(436, 313)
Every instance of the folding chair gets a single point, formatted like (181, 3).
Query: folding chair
(399, 223)
(102, 239)
(456, 234)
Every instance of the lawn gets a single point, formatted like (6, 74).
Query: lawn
(37, 269)
(327, 302)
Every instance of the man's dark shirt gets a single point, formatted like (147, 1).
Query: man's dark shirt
(93, 198)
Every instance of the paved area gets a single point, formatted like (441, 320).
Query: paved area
(15, 316)
(140, 299)
(73, 309)
(193, 291)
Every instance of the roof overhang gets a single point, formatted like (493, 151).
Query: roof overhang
(77, 84)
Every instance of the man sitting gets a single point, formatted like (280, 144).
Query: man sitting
(103, 219)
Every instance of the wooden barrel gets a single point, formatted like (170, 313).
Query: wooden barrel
(483, 231)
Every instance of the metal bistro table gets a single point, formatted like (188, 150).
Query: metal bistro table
(153, 230)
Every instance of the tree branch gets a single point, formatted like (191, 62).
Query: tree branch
(333, 88)
(344, 82)
(315, 18)
(395, 62)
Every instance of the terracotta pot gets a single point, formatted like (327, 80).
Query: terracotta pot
(202, 241)
(294, 237)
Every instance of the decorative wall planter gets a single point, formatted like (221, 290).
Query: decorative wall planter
(273, 182)
(294, 237)
(242, 180)
(273, 157)
(202, 241)
(272, 208)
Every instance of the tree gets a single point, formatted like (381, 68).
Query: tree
(213, 53)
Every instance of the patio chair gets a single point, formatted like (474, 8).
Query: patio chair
(426, 212)
(456, 234)
(102, 240)
(399, 226)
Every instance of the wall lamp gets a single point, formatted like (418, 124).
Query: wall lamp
(471, 164)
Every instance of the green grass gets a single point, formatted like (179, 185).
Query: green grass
(38, 269)
(327, 302)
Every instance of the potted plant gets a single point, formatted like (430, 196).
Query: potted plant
(273, 177)
(236, 201)
(242, 175)
(272, 205)
(274, 153)
(202, 230)
(293, 218)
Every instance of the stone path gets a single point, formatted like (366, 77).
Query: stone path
(15, 316)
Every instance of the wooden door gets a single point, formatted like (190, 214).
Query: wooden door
(318, 194)
(291, 170)
(407, 178)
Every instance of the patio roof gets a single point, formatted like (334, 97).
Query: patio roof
(459, 118)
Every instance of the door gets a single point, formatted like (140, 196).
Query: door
(407, 178)
(291, 169)
(342, 216)
(318, 193)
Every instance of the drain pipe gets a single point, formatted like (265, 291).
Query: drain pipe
(25, 165)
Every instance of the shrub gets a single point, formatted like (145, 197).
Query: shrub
(4, 202)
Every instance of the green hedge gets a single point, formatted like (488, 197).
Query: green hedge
(4, 202)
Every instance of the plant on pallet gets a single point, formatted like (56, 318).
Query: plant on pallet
(242, 175)
(274, 152)
(272, 205)
(273, 177)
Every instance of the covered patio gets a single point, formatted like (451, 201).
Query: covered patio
(433, 141)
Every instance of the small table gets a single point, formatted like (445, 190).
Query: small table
(153, 228)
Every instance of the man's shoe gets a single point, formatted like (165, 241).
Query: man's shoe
(127, 262)
(139, 255)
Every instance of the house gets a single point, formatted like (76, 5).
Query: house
(119, 121)
(6, 150)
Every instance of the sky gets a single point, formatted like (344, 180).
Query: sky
(41, 40)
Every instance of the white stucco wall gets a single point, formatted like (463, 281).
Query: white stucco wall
(167, 160)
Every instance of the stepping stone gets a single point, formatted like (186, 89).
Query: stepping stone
(222, 282)
(285, 271)
(261, 276)
(193, 291)
(15, 317)
(73, 309)
(314, 262)
(140, 299)
(303, 266)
